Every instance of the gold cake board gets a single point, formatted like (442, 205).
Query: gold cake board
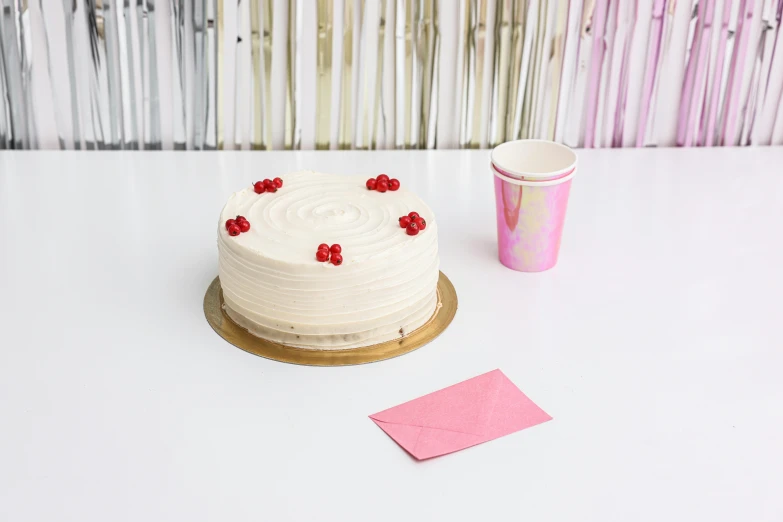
(241, 338)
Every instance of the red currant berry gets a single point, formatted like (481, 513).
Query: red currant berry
(335, 249)
(234, 230)
(259, 187)
(240, 218)
(323, 246)
(394, 184)
(322, 255)
(371, 183)
(405, 221)
(337, 259)
(421, 223)
(412, 229)
(270, 185)
(414, 216)
(244, 226)
(382, 186)
(229, 223)
(382, 177)
(278, 182)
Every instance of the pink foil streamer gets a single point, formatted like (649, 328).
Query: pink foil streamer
(622, 94)
(696, 65)
(653, 48)
(710, 114)
(735, 72)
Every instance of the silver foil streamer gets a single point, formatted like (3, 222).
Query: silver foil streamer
(178, 92)
(69, 8)
(59, 118)
(501, 67)
(5, 123)
(14, 82)
(99, 95)
(209, 98)
(199, 112)
(472, 72)
(113, 72)
(128, 78)
(145, 11)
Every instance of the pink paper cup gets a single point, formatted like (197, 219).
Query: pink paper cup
(532, 183)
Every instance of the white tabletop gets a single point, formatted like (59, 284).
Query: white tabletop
(655, 344)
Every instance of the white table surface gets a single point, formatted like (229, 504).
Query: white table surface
(656, 345)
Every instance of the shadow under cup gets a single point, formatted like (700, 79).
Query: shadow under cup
(532, 184)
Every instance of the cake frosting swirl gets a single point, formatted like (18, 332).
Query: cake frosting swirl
(275, 288)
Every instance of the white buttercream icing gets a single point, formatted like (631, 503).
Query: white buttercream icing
(273, 285)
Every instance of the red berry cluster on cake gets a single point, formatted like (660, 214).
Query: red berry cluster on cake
(330, 253)
(371, 283)
(382, 183)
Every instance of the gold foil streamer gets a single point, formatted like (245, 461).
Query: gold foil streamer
(500, 72)
(408, 71)
(365, 75)
(429, 96)
(261, 12)
(558, 50)
(378, 102)
(417, 52)
(257, 138)
(468, 72)
(239, 73)
(267, 39)
(293, 129)
(344, 136)
(399, 74)
(323, 105)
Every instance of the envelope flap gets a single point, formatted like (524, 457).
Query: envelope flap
(466, 407)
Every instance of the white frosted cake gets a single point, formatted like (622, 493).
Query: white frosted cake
(275, 287)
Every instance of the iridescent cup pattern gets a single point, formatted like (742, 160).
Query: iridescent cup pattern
(532, 184)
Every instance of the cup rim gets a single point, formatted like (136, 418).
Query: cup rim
(532, 183)
(534, 175)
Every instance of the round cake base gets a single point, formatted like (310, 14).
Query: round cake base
(241, 338)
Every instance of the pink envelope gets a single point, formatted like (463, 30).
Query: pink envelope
(463, 415)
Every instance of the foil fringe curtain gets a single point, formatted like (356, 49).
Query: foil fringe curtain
(367, 74)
